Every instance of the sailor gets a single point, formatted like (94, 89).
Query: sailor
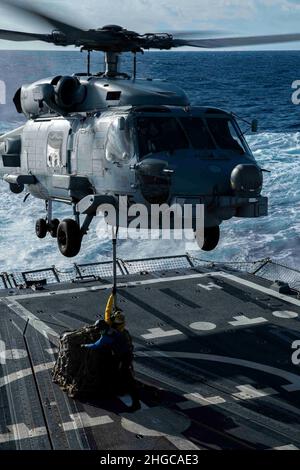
(126, 370)
(117, 339)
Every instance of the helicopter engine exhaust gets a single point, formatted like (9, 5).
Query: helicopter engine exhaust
(62, 94)
(69, 92)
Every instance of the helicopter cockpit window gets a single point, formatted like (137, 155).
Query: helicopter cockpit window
(160, 134)
(119, 145)
(225, 134)
(197, 133)
(54, 149)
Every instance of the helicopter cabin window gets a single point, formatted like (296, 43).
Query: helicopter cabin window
(54, 149)
(197, 133)
(225, 134)
(119, 146)
(160, 134)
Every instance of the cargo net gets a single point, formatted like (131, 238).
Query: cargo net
(84, 372)
(277, 272)
(157, 264)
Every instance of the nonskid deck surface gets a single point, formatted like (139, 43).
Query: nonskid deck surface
(213, 354)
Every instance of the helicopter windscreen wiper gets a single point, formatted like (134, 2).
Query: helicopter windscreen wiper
(114, 38)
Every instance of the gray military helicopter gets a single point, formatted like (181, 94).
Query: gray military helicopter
(91, 138)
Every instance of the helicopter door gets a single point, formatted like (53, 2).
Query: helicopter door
(120, 154)
(84, 150)
(57, 153)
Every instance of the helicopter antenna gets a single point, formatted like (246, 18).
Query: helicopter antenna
(134, 65)
(89, 63)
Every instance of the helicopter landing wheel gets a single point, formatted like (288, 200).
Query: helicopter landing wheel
(69, 238)
(53, 227)
(211, 238)
(41, 228)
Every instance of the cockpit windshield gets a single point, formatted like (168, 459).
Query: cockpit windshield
(167, 134)
(197, 133)
(160, 134)
(225, 134)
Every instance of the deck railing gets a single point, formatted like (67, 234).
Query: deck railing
(265, 268)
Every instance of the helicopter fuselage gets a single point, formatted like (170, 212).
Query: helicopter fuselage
(145, 142)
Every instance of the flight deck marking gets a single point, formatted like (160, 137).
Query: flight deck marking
(52, 351)
(242, 320)
(203, 326)
(287, 447)
(160, 422)
(10, 354)
(195, 400)
(21, 374)
(26, 315)
(285, 314)
(248, 392)
(210, 286)
(18, 432)
(156, 333)
(83, 420)
(180, 443)
(106, 287)
(294, 379)
(121, 285)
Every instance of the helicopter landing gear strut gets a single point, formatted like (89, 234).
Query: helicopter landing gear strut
(47, 225)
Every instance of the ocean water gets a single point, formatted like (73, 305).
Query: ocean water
(251, 84)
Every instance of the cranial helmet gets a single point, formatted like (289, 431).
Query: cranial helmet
(118, 318)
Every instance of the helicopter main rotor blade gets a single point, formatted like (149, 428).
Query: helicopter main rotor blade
(22, 36)
(216, 43)
(181, 34)
(44, 16)
(113, 38)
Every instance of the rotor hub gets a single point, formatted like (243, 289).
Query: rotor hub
(111, 27)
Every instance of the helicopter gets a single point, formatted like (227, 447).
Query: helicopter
(91, 138)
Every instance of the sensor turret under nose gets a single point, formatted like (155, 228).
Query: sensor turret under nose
(247, 180)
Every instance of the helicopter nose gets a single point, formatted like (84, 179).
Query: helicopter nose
(247, 180)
